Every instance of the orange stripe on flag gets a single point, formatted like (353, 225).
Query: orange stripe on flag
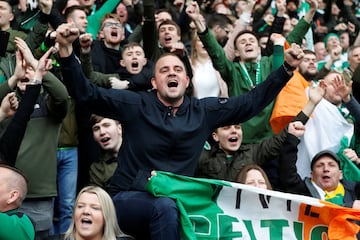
(339, 220)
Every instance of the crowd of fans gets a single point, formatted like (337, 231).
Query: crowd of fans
(258, 92)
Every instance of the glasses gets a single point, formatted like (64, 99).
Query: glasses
(112, 24)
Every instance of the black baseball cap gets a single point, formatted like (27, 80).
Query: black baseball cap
(325, 153)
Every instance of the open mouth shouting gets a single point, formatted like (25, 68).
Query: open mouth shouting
(24, 80)
(172, 84)
(168, 39)
(233, 139)
(249, 49)
(325, 178)
(86, 222)
(114, 33)
(233, 142)
(105, 141)
(135, 64)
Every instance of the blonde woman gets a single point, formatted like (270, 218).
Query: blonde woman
(94, 217)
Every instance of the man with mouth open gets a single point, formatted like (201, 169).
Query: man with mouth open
(162, 35)
(107, 134)
(163, 129)
(106, 53)
(228, 156)
(135, 72)
(326, 178)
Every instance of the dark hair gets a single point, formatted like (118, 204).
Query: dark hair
(308, 51)
(242, 33)
(72, 9)
(130, 45)
(294, 1)
(165, 55)
(262, 34)
(218, 19)
(95, 119)
(171, 22)
(161, 10)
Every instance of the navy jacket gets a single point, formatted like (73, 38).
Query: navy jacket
(153, 137)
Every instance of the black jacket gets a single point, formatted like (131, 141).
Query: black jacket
(156, 138)
(104, 59)
(11, 139)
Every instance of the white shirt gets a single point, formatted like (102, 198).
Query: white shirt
(205, 80)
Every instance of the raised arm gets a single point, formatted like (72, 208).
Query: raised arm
(37, 35)
(311, 13)
(8, 106)
(315, 94)
(11, 140)
(241, 24)
(193, 11)
(289, 178)
(106, 102)
(273, 145)
(345, 92)
(300, 30)
(57, 103)
(95, 19)
(98, 78)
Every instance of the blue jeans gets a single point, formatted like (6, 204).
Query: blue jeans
(144, 216)
(67, 170)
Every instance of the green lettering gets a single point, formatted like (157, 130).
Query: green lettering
(226, 227)
(250, 229)
(318, 232)
(201, 224)
(275, 227)
(298, 230)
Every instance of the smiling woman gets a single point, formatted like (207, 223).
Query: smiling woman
(94, 217)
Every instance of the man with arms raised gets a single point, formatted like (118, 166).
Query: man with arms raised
(163, 129)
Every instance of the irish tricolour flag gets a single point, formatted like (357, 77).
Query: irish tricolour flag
(215, 209)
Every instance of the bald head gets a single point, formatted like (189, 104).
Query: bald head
(13, 188)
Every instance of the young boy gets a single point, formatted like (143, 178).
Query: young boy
(108, 134)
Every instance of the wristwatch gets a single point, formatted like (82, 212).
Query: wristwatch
(36, 82)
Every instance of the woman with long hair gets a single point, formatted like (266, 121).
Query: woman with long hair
(254, 175)
(94, 217)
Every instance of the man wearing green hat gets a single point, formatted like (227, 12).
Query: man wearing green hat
(332, 45)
